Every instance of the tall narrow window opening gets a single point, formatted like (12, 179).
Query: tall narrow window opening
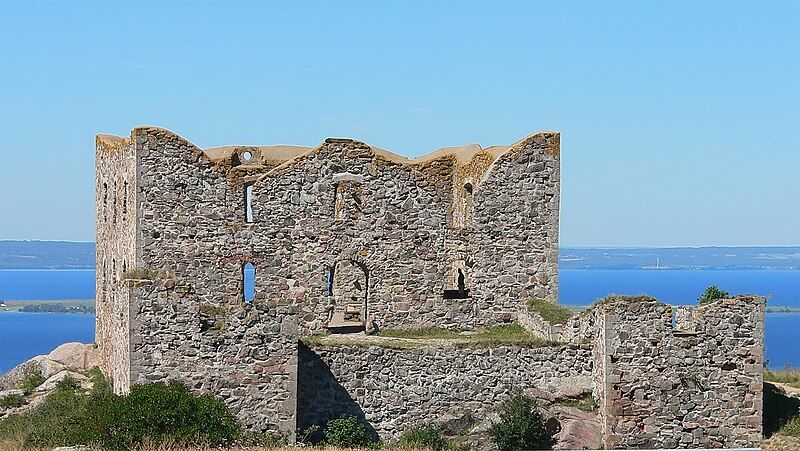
(125, 199)
(329, 274)
(248, 282)
(105, 200)
(248, 201)
(114, 203)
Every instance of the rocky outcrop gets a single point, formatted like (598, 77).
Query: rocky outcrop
(71, 360)
(74, 355)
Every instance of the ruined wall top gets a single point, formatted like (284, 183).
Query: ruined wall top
(273, 158)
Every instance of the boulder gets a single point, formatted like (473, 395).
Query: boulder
(75, 355)
(53, 380)
(455, 423)
(39, 363)
(574, 428)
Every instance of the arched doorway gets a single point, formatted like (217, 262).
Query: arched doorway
(348, 283)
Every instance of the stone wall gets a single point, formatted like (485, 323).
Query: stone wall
(170, 211)
(116, 218)
(393, 389)
(347, 201)
(245, 355)
(694, 384)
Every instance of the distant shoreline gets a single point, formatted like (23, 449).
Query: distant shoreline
(55, 306)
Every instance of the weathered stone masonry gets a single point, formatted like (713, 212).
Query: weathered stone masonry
(343, 235)
(348, 237)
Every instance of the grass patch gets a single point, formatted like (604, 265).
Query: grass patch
(504, 335)
(421, 334)
(587, 403)
(792, 428)
(552, 313)
(789, 376)
(316, 339)
(611, 298)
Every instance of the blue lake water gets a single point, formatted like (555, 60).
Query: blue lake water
(24, 335)
(33, 284)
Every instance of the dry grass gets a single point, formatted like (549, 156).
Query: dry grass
(425, 333)
(552, 313)
(490, 337)
(788, 376)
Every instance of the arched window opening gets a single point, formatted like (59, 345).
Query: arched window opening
(248, 202)
(468, 188)
(249, 282)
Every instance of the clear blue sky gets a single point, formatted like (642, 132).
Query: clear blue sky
(680, 121)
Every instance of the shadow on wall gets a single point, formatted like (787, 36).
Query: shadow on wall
(778, 408)
(320, 397)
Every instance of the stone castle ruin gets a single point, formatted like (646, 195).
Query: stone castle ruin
(214, 265)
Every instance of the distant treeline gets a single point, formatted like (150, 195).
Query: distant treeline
(57, 308)
(46, 255)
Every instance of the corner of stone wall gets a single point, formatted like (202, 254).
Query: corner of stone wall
(655, 383)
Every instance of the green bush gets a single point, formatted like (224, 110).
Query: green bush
(347, 432)
(31, 380)
(159, 413)
(429, 437)
(10, 401)
(520, 426)
(711, 294)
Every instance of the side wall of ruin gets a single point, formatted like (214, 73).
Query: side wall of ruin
(194, 325)
(695, 385)
(392, 390)
(115, 183)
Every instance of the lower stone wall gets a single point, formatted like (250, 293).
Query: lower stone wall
(697, 384)
(393, 389)
(245, 355)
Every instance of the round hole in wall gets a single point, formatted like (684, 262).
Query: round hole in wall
(247, 155)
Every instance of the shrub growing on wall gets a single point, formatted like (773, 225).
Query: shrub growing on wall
(711, 294)
(520, 426)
